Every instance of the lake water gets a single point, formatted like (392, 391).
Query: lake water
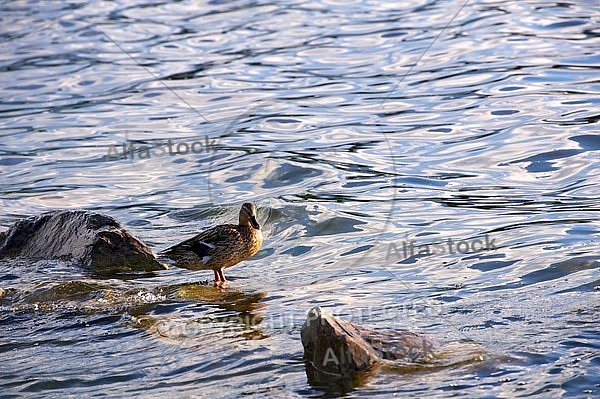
(363, 131)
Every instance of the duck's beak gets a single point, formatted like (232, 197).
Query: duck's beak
(254, 223)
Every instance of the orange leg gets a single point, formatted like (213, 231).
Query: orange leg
(222, 276)
(216, 276)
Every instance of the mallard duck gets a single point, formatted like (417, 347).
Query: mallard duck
(220, 247)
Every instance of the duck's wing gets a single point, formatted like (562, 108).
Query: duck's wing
(208, 242)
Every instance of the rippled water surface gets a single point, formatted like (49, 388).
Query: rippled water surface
(363, 131)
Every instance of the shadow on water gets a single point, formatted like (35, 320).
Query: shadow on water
(167, 311)
(222, 313)
(332, 385)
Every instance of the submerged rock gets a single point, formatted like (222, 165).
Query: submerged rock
(97, 241)
(337, 348)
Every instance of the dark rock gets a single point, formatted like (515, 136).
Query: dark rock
(337, 348)
(98, 241)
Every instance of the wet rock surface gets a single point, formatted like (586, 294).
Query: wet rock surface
(97, 241)
(337, 348)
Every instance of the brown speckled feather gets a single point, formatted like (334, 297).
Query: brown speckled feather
(232, 244)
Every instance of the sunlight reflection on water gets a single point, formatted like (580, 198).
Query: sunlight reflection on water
(493, 132)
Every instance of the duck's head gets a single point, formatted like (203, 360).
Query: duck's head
(248, 216)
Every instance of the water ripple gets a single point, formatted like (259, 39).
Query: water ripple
(492, 135)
